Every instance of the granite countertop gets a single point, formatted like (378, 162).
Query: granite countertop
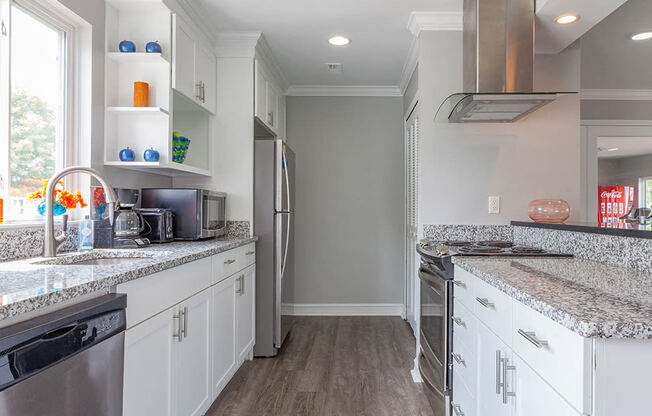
(29, 284)
(590, 298)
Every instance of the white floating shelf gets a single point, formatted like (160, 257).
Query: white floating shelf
(169, 169)
(137, 110)
(137, 57)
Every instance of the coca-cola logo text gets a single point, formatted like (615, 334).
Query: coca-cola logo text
(612, 194)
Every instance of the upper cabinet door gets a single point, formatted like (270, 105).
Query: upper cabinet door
(207, 77)
(183, 59)
(260, 105)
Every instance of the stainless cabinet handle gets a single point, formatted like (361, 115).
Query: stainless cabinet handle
(241, 285)
(250, 253)
(459, 321)
(4, 28)
(203, 92)
(185, 322)
(532, 337)
(506, 367)
(270, 118)
(457, 409)
(458, 358)
(178, 334)
(485, 302)
(498, 363)
(198, 94)
(459, 283)
(229, 261)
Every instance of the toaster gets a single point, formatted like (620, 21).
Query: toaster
(159, 227)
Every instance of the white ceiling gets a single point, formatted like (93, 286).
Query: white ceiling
(297, 32)
(627, 146)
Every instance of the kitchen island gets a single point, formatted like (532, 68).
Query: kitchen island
(542, 336)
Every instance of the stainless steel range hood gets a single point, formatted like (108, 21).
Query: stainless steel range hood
(498, 65)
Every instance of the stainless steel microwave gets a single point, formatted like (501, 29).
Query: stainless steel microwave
(198, 213)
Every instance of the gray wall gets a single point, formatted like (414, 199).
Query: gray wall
(349, 208)
(463, 164)
(411, 91)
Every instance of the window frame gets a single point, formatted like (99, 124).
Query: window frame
(68, 146)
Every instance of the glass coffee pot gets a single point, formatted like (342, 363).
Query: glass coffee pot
(128, 223)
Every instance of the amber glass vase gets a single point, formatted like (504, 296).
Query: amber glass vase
(552, 211)
(141, 94)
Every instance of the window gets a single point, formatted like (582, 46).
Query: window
(648, 193)
(37, 67)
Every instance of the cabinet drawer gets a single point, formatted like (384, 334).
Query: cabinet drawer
(464, 325)
(558, 355)
(494, 308)
(463, 403)
(248, 254)
(152, 294)
(534, 397)
(463, 287)
(465, 364)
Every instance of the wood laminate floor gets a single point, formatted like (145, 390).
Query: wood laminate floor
(331, 366)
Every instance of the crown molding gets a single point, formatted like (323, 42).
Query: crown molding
(344, 91)
(409, 66)
(419, 21)
(236, 44)
(615, 94)
(199, 16)
(264, 52)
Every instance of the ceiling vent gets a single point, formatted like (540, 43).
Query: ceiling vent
(334, 67)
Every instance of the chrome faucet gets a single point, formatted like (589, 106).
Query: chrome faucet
(52, 242)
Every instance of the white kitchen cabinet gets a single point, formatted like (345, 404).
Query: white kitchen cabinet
(246, 312)
(149, 366)
(207, 77)
(492, 354)
(534, 397)
(269, 105)
(194, 66)
(183, 58)
(192, 381)
(223, 328)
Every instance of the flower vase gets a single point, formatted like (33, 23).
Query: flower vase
(57, 209)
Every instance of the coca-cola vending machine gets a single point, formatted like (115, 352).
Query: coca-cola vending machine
(613, 203)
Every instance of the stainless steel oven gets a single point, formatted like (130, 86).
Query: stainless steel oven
(436, 337)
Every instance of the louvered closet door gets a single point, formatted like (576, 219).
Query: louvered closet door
(411, 207)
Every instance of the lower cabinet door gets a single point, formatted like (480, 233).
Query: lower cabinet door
(491, 353)
(192, 381)
(246, 312)
(534, 397)
(223, 326)
(463, 403)
(149, 366)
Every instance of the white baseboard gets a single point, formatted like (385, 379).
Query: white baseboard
(343, 309)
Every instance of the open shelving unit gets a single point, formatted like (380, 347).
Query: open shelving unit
(142, 128)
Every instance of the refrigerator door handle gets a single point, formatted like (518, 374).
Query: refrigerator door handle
(287, 234)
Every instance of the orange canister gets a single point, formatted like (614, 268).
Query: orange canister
(141, 94)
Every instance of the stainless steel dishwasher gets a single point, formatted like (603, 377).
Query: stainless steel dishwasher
(68, 362)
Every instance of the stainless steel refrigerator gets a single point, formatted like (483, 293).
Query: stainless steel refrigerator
(274, 226)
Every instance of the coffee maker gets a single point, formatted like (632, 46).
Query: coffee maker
(128, 223)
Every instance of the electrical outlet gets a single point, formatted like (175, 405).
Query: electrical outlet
(494, 205)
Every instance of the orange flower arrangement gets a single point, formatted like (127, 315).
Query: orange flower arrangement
(63, 197)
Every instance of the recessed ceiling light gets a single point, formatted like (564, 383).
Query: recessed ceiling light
(567, 19)
(642, 36)
(612, 149)
(339, 41)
